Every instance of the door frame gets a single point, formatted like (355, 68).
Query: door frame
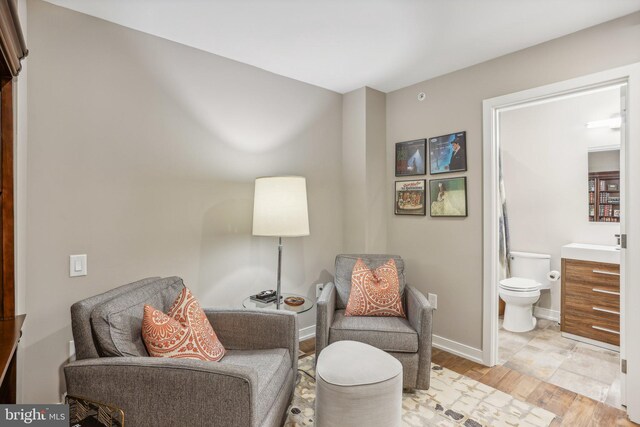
(630, 272)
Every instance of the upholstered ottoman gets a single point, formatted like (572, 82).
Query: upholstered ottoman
(357, 385)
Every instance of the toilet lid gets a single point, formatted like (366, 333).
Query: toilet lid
(519, 284)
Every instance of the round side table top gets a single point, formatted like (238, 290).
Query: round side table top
(306, 306)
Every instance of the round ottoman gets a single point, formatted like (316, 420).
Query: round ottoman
(357, 385)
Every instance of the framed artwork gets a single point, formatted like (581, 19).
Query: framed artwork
(448, 153)
(411, 158)
(411, 197)
(448, 197)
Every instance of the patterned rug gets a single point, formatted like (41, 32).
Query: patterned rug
(452, 400)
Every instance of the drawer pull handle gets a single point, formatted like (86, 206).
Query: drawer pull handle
(602, 291)
(604, 310)
(608, 273)
(611, 331)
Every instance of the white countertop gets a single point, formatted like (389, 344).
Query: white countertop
(588, 252)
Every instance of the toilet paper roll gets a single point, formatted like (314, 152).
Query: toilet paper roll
(553, 275)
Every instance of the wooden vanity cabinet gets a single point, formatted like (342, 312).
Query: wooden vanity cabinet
(590, 300)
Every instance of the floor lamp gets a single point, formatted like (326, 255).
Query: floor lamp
(280, 210)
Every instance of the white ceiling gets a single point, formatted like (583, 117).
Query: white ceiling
(346, 44)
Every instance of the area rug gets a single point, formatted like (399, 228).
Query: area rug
(452, 400)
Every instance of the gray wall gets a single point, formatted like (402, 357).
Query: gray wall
(354, 169)
(545, 152)
(444, 256)
(364, 171)
(142, 154)
(376, 177)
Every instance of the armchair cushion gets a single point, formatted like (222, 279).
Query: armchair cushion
(117, 323)
(393, 334)
(344, 268)
(272, 367)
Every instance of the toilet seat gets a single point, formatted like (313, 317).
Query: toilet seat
(520, 295)
(519, 284)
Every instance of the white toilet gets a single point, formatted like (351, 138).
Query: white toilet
(529, 274)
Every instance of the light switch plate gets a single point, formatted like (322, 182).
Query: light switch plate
(77, 265)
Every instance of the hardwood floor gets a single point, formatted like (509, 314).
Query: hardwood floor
(571, 409)
(308, 346)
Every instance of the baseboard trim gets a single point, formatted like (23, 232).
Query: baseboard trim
(592, 342)
(545, 313)
(459, 349)
(441, 343)
(308, 332)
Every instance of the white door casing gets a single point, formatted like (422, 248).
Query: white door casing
(630, 225)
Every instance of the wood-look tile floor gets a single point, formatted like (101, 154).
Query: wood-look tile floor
(546, 355)
(571, 409)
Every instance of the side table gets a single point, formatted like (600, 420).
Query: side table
(308, 304)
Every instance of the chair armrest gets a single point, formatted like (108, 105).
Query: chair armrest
(256, 329)
(168, 392)
(420, 317)
(325, 309)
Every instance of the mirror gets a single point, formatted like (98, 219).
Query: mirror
(604, 186)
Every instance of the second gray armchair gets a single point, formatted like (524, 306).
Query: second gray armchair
(408, 340)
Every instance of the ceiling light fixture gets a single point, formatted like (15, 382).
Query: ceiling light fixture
(613, 123)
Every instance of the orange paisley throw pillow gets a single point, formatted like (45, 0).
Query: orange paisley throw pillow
(375, 293)
(185, 332)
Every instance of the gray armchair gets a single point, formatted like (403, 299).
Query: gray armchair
(251, 386)
(408, 340)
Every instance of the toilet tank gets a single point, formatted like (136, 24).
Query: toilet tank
(531, 266)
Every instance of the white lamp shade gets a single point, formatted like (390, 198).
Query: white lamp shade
(280, 207)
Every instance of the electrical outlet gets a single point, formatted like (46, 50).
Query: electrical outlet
(433, 300)
(319, 288)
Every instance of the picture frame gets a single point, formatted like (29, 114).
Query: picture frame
(448, 153)
(411, 158)
(448, 197)
(410, 197)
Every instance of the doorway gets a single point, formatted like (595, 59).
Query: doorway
(494, 111)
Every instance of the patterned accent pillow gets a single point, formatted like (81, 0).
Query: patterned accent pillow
(375, 293)
(185, 332)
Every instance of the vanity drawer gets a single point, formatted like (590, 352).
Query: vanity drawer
(588, 287)
(591, 274)
(592, 295)
(591, 327)
(590, 304)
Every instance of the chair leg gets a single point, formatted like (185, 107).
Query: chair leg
(409, 390)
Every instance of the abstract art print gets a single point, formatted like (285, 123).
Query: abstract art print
(411, 157)
(448, 197)
(411, 197)
(448, 153)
